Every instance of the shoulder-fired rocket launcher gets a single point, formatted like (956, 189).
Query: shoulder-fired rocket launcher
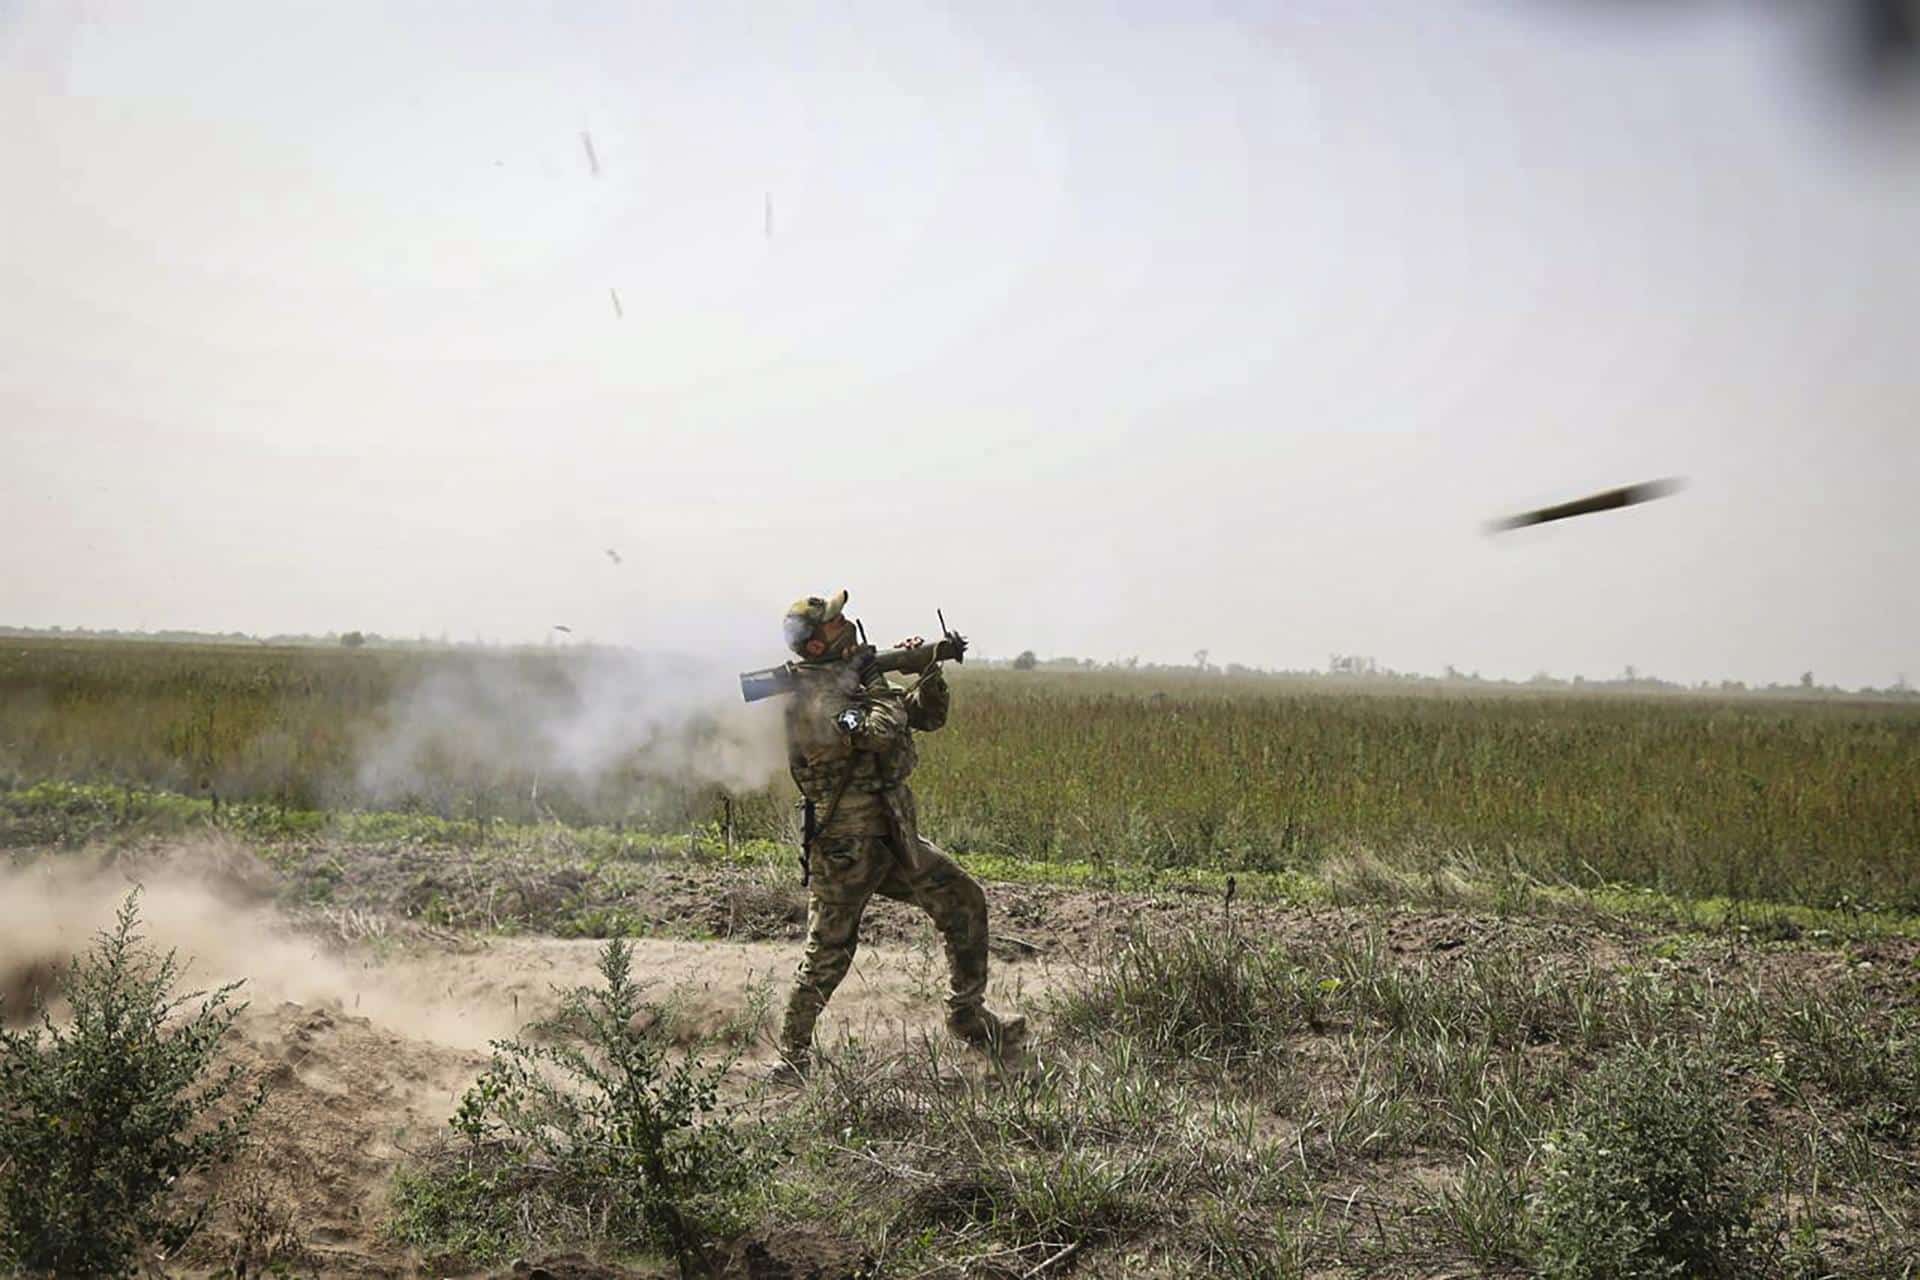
(913, 660)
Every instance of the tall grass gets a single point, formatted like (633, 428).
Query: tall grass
(1805, 800)
(1694, 795)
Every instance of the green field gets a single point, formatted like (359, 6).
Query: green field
(1814, 801)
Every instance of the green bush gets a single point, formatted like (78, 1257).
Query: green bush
(102, 1114)
(594, 1136)
(1640, 1181)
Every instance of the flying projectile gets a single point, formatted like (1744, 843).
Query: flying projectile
(1626, 496)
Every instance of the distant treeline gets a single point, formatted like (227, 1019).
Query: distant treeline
(1339, 667)
(1347, 670)
(283, 640)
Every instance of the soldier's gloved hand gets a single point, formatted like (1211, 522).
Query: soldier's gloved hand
(850, 721)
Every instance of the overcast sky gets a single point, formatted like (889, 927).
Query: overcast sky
(1111, 330)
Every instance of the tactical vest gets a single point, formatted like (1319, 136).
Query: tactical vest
(867, 771)
(820, 757)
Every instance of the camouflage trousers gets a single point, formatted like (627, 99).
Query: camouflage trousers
(844, 872)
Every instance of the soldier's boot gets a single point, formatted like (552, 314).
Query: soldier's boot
(796, 1039)
(986, 1030)
(959, 910)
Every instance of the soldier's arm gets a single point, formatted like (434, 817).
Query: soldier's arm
(875, 722)
(928, 702)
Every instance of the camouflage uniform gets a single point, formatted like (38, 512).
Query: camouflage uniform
(869, 842)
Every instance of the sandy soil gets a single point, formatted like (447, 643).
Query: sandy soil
(362, 1073)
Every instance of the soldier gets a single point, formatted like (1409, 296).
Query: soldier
(850, 746)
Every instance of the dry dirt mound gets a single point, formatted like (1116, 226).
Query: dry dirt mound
(347, 1097)
(354, 1090)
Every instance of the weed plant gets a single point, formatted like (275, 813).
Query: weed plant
(593, 1135)
(102, 1112)
(1640, 1180)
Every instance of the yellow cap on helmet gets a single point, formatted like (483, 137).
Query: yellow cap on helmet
(806, 616)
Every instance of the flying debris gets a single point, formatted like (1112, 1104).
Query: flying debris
(1626, 496)
(614, 556)
(593, 160)
(619, 311)
(558, 627)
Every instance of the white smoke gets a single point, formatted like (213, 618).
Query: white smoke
(581, 720)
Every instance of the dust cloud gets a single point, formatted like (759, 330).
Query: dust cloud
(208, 901)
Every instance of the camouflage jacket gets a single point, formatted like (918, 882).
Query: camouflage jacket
(858, 780)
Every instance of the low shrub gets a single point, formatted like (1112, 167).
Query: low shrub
(101, 1114)
(1641, 1180)
(594, 1135)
